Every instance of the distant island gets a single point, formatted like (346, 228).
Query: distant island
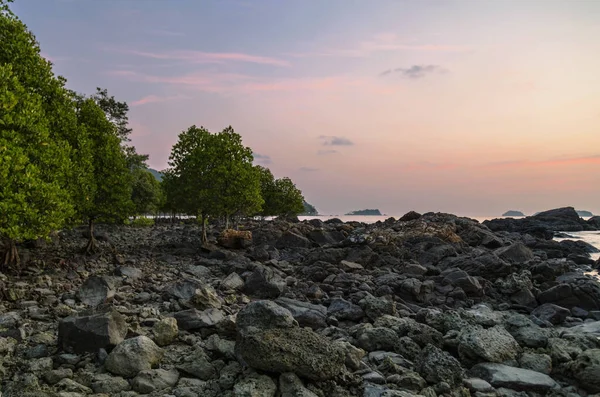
(157, 174)
(513, 213)
(585, 214)
(365, 212)
(309, 210)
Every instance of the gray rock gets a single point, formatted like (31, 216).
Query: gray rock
(536, 362)
(306, 314)
(297, 350)
(132, 273)
(422, 334)
(255, 385)
(377, 307)
(192, 319)
(165, 331)
(291, 386)
(436, 365)
(110, 385)
(205, 297)
(90, 333)
(343, 310)
(198, 365)
(262, 315)
(478, 385)
(500, 375)
(152, 380)
(96, 290)
(515, 253)
(233, 282)
(264, 283)
(55, 376)
(292, 240)
(461, 279)
(378, 338)
(132, 356)
(586, 369)
(551, 313)
(493, 345)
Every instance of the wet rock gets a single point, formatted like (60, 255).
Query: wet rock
(151, 380)
(96, 291)
(500, 375)
(132, 356)
(306, 314)
(88, 333)
(165, 331)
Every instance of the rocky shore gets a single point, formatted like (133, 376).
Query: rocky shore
(428, 305)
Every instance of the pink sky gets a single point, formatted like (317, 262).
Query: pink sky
(467, 107)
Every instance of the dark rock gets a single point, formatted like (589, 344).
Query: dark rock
(460, 278)
(344, 310)
(436, 365)
(89, 333)
(409, 216)
(264, 283)
(500, 375)
(292, 240)
(193, 319)
(96, 291)
(306, 314)
(515, 253)
(551, 313)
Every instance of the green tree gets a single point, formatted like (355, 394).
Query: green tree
(281, 196)
(32, 200)
(111, 199)
(146, 192)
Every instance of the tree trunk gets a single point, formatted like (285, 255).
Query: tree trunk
(10, 257)
(203, 220)
(227, 221)
(92, 245)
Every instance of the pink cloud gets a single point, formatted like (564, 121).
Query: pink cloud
(209, 57)
(383, 42)
(155, 99)
(588, 160)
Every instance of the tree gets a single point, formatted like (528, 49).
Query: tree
(146, 191)
(36, 118)
(211, 175)
(281, 196)
(32, 200)
(111, 199)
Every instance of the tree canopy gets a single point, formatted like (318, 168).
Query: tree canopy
(281, 196)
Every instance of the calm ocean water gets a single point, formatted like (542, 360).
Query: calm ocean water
(592, 238)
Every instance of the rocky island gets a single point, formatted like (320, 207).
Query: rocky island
(584, 214)
(374, 212)
(513, 213)
(434, 306)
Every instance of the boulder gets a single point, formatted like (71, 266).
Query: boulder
(255, 385)
(494, 344)
(586, 369)
(551, 313)
(343, 310)
(461, 279)
(192, 319)
(306, 314)
(152, 380)
(89, 333)
(290, 239)
(132, 356)
(264, 283)
(96, 291)
(297, 350)
(515, 253)
(500, 375)
(436, 365)
(262, 315)
(165, 331)
(290, 385)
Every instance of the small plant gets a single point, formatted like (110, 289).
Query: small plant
(140, 222)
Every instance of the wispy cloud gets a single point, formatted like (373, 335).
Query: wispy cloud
(335, 141)
(326, 152)
(587, 160)
(262, 158)
(201, 57)
(308, 169)
(155, 99)
(415, 71)
(383, 42)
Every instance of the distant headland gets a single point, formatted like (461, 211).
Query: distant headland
(375, 212)
(513, 213)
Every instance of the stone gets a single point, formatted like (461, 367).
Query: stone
(500, 375)
(290, 385)
(198, 365)
(377, 307)
(89, 333)
(290, 239)
(55, 376)
(205, 297)
(350, 266)
(152, 380)
(193, 319)
(297, 350)
(165, 331)
(515, 253)
(262, 315)
(96, 291)
(493, 345)
(343, 310)
(132, 356)
(129, 272)
(255, 385)
(436, 365)
(233, 282)
(586, 369)
(263, 283)
(110, 385)
(536, 362)
(551, 313)
(378, 338)
(306, 314)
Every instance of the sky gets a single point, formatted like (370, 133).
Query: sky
(472, 107)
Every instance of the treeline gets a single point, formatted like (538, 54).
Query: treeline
(65, 158)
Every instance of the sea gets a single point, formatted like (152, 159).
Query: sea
(592, 238)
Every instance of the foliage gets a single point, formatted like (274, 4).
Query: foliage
(281, 196)
(146, 192)
(211, 175)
